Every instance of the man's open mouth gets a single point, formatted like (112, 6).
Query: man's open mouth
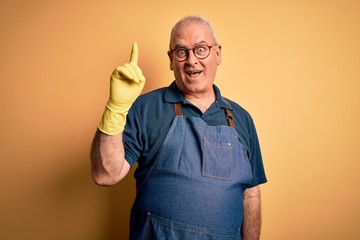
(193, 73)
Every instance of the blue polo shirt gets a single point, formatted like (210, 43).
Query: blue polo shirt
(150, 118)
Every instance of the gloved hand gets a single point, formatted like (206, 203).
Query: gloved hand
(126, 84)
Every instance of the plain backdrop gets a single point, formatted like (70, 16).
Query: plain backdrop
(294, 65)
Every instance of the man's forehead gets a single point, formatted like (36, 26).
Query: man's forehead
(197, 32)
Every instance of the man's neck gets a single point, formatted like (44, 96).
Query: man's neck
(200, 101)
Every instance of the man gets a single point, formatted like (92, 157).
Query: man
(199, 160)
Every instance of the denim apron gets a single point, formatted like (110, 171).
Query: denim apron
(194, 189)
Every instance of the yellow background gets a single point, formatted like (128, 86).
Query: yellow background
(294, 65)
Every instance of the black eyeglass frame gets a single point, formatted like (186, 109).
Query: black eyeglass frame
(170, 52)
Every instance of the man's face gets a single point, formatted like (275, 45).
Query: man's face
(194, 76)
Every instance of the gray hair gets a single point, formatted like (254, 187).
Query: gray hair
(193, 19)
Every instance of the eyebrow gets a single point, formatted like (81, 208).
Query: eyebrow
(177, 46)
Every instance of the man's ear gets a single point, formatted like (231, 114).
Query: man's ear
(171, 61)
(218, 54)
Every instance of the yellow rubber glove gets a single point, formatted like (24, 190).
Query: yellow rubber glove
(126, 84)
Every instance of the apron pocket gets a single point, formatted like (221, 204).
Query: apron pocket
(161, 228)
(217, 158)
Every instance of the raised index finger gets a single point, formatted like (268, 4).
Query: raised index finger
(134, 53)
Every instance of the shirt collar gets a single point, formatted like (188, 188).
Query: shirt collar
(172, 94)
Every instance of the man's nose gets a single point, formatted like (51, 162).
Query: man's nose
(191, 59)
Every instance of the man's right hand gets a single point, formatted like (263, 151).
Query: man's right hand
(126, 84)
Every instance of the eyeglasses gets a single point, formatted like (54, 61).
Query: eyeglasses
(200, 51)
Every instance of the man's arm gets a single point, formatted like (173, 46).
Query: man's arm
(252, 214)
(108, 164)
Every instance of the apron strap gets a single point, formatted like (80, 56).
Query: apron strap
(229, 117)
(178, 109)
